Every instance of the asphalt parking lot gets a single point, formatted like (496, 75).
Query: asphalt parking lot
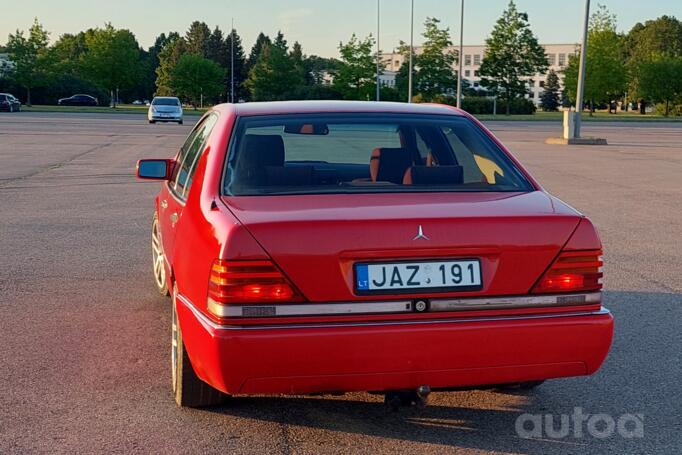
(85, 339)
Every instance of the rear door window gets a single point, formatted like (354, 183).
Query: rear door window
(190, 153)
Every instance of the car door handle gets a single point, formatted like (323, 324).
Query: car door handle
(174, 218)
(164, 205)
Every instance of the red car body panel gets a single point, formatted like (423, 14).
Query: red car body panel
(516, 235)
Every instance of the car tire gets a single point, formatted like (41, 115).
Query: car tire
(188, 390)
(180, 122)
(151, 122)
(158, 259)
(11, 108)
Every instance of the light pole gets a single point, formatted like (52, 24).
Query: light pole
(411, 77)
(378, 50)
(232, 64)
(581, 73)
(460, 57)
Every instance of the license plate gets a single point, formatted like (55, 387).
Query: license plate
(435, 276)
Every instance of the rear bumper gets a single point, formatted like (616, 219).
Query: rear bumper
(394, 356)
(160, 118)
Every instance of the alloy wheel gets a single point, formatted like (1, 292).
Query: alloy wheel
(157, 257)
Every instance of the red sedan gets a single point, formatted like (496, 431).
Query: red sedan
(328, 247)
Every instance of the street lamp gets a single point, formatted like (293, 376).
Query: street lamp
(581, 73)
(378, 50)
(460, 57)
(411, 77)
(232, 64)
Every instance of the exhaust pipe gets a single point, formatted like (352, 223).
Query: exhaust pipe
(404, 398)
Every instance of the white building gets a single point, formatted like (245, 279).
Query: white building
(5, 64)
(557, 54)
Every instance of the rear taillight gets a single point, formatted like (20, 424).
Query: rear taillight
(573, 271)
(236, 282)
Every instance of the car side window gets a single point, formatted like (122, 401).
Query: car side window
(185, 148)
(192, 151)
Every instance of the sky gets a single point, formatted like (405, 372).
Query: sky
(319, 25)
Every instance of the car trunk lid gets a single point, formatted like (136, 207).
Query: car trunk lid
(317, 239)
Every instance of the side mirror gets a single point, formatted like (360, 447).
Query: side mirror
(155, 169)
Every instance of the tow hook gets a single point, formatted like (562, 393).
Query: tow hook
(405, 398)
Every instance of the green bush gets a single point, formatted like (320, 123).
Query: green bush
(674, 109)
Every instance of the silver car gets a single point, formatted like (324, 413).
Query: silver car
(165, 109)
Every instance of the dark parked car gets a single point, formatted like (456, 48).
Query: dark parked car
(9, 103)
(78, 100)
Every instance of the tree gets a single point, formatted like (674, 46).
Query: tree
(112, 59)
(403, 76)
(660, 80)
(195, 76)
(30, 57)
(659, 37)
(274, 77)
(605, 75)
(151, 63)
(316, 68)
(435, 75)
(262, 41)
(655, 39)
(67, 55)
(169, 56)
(298, 60)
(68, 51)
(197, 38)
(356, 76)
(216, 49)
(550, 99)
(513, 53)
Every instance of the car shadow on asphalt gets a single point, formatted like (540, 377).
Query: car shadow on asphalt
(467, 425)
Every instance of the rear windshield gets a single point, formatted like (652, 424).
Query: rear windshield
(352, 153)
(166, 102)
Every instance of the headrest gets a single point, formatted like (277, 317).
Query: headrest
(389, 164)
(434, 175)
(257, 153)
(266, 150)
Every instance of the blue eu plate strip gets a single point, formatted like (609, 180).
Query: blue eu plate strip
(362, 277)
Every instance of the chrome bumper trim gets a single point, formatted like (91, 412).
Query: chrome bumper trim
(397, 307)
(209, 324)
(308, 309)
(516, 302)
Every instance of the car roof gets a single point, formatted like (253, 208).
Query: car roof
(166, 98)
(315, 107)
